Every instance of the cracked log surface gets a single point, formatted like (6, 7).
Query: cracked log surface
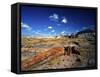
(52, 53)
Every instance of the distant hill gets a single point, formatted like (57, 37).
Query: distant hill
(85, 31)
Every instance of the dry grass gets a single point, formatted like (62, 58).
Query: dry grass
(32, 47)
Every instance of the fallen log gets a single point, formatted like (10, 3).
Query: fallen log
(53, 52)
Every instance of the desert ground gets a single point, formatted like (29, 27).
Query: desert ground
(57, 53)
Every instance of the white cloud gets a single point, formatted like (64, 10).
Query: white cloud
(23, 25)
(64, 20)
(63, 32)
(38, 32)
(54, 17)
(50, 27)
(53, 31)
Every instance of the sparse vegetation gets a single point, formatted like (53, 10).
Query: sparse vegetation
(83, 57)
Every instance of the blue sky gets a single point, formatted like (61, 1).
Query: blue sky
(37, 21)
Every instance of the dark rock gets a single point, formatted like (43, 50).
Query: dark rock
(67, 50)
(74, 51)
(78, 60)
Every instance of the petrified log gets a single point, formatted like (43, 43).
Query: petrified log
(71, 49)
(54, 52)
(75, 51)
(67, 50)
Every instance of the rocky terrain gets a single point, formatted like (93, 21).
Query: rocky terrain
(57, 53)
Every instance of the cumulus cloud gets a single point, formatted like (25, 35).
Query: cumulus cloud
(63, 32)
(26, 26)
(64, 20)
(38, 32)
(53, 31)
(54, 17)
(50, 27)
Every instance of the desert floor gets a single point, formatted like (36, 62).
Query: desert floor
(33, 46)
